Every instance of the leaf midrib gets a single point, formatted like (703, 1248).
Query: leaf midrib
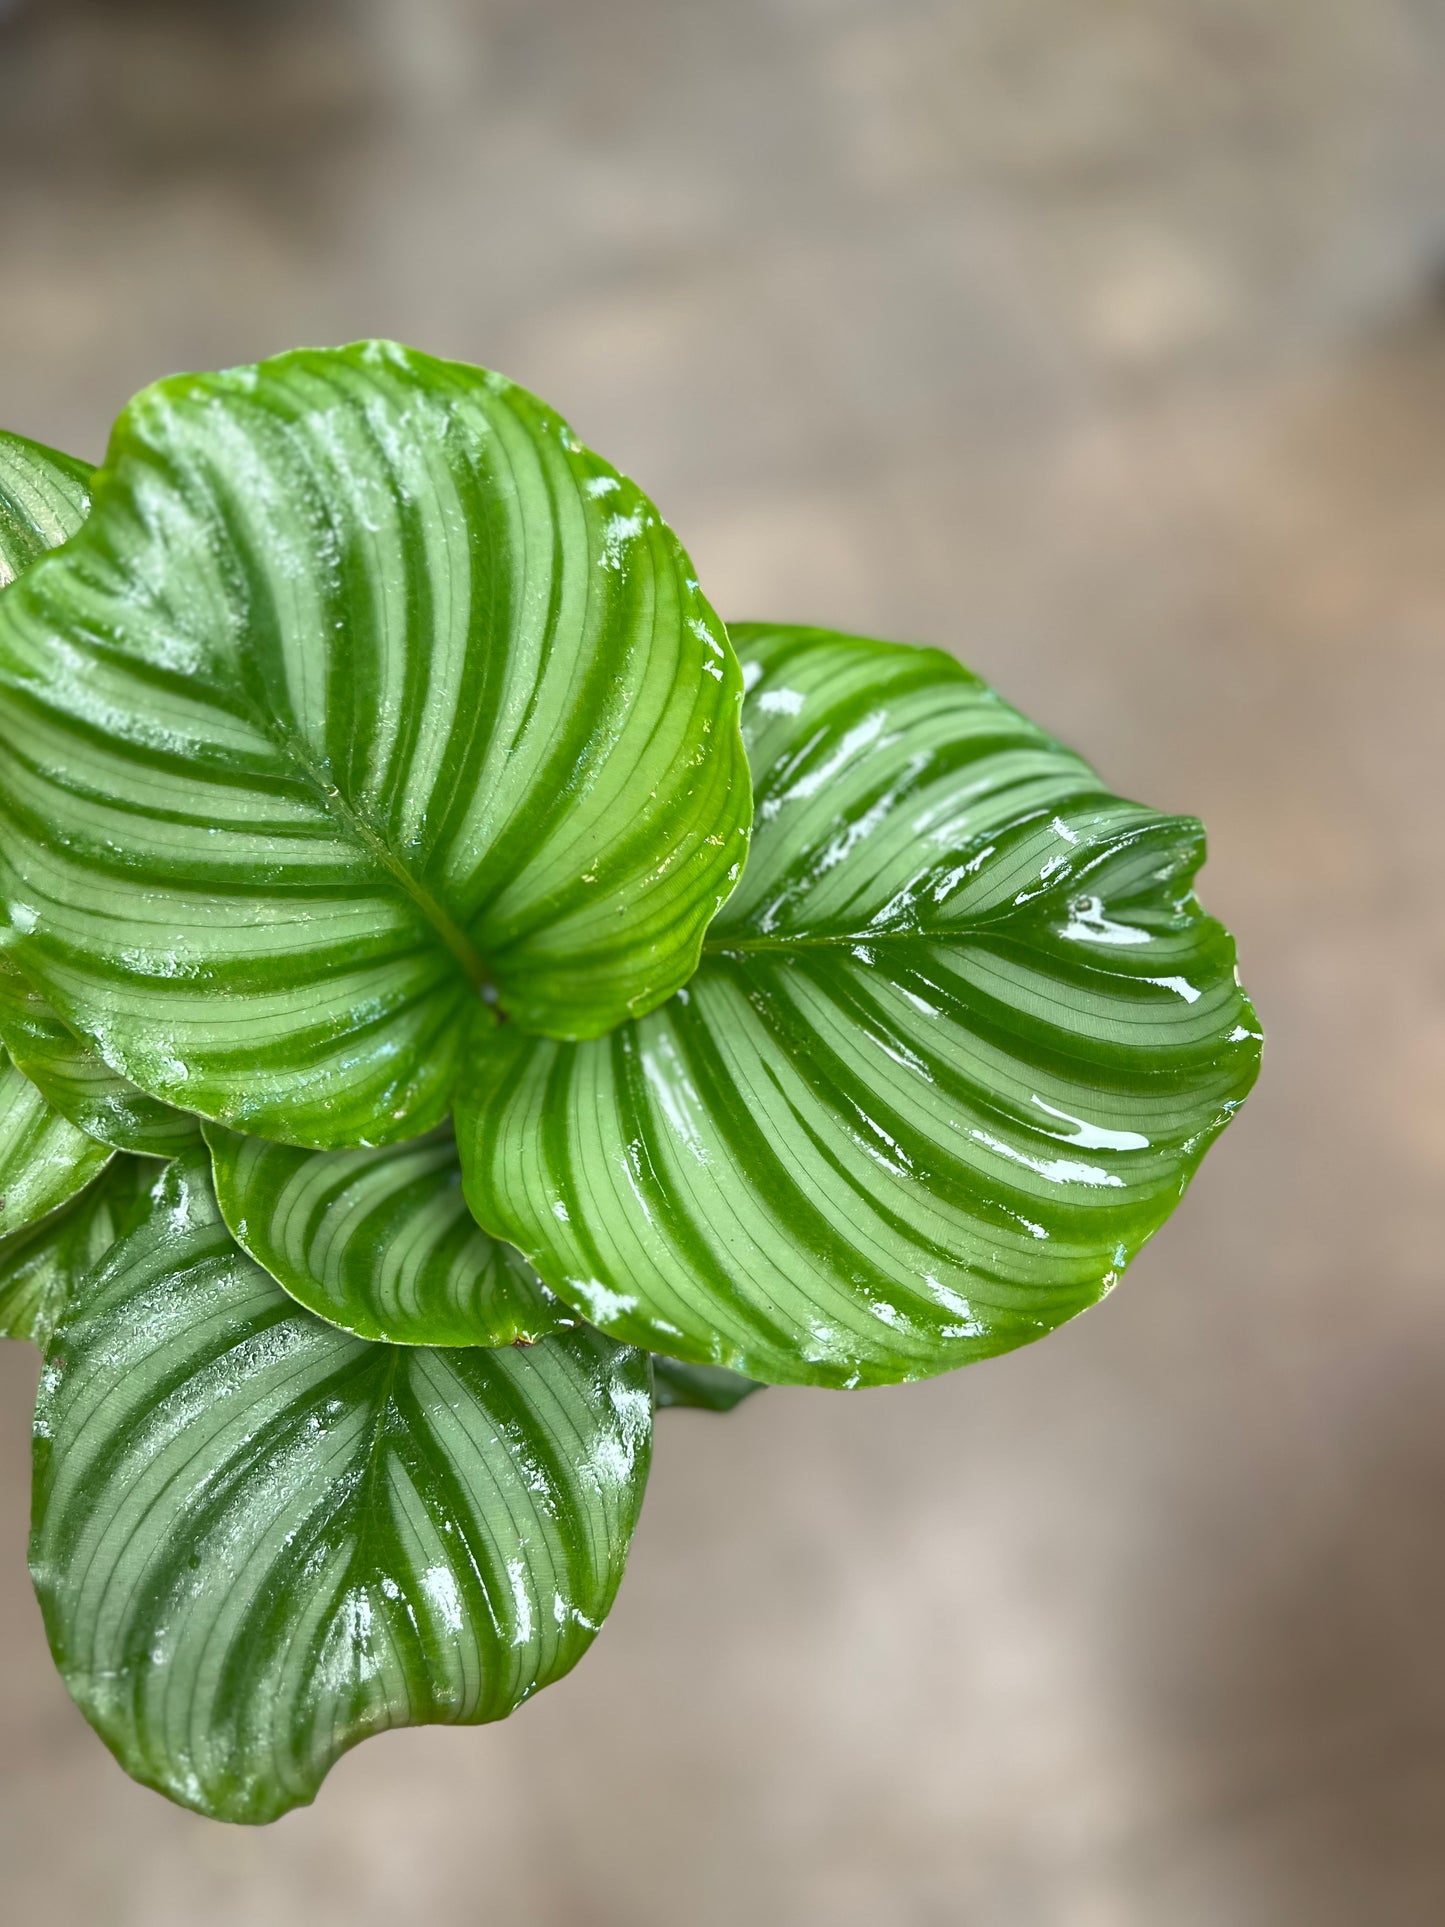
(455, 939)
(335, 804)
(723, 947)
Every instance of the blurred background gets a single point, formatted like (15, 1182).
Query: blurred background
(1103, 342)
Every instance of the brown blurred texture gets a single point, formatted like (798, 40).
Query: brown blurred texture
(1102, 341)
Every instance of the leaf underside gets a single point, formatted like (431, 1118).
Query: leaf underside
(954, 1049)
(701, 1388)
(364, 692)
(380, 1241)
(258, 1540)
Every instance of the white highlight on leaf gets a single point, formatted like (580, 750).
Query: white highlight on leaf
(617, 533)
(521, 1600)
(672, 1091)
(1055, 1170)
(857, 739)
(600, 1301)
(440, 1587)
(781, 702)
(356, 1633)
(1088, 924)
(1181, 987)
(1094, 1137)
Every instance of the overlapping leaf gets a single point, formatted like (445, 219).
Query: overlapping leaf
(44, 496)
(258, 1540)
(78, 1084)
(955, 1047)
(40, 1266)
(44, 1159)
(380, 1241)
(702, 1388)
(363, 692)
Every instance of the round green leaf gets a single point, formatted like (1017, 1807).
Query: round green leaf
(44, 496)
(258, 1540)
(39, 1267)
(365, 691)
(956, 1045)
(703, 1388)
(70, 1076)
(380, 1241)
(44, 1159)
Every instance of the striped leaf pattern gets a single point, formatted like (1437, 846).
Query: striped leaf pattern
(258, 1540)
(72, 1078)
(380, 1241)
(955, 1048)
(40, 1266)
(44, 1159)
(364, 692)
(44, 498)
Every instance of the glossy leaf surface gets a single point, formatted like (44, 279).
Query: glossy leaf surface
(955, 1047)
(39, 1267)
(365, 691)
(702, 1388)
(258, 1540)
(79, 1084)
(44, 1159)
(380, 1241)
(44, 496)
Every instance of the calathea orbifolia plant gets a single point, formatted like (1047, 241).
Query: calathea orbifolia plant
(405, 1043)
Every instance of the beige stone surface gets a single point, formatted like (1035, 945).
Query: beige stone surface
(1102, 342)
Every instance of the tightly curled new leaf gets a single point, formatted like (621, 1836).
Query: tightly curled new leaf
(955, 1047)
(44, 497)
(364, 689)
(380, 1241)
(258, 1540)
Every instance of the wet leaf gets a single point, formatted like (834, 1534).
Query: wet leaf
(39, 1267)
(364, 693)
(75, 1081)
(258, 1540)
(954, 1050)
(44, 1158)
(380, 1241)
(44, 496)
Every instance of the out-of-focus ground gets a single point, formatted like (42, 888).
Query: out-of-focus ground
(1102, 341)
